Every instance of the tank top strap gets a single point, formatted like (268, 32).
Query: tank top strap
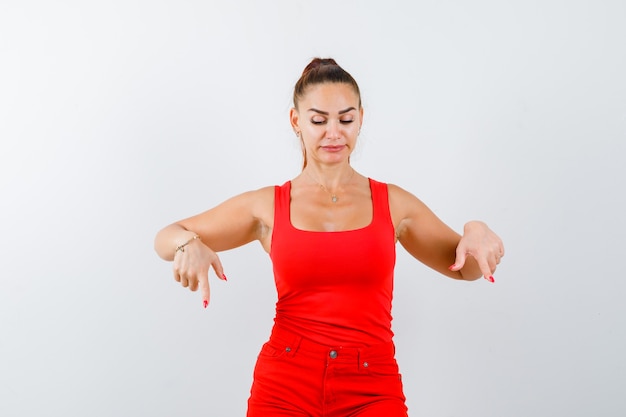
(282, 200)
(380, 202)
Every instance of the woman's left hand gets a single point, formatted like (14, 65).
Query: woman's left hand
(483, 245)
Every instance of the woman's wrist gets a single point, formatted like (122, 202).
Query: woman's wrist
(181, 247)
(472, 224)
(170, 238)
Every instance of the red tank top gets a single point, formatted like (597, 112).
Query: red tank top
(335, 288)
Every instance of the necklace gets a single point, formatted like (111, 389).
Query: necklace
(333, 196)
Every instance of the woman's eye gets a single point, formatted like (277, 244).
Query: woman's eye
(345, 122)
(317, 121)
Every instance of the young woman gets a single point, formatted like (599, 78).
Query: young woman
(331, 233)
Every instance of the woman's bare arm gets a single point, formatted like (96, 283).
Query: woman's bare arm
(231, 224)
(433, 243)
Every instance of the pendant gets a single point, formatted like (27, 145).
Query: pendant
(333, 198)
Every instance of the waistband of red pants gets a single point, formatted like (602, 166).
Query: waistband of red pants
(293, 343)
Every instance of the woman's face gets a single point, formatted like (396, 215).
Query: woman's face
(329, 119)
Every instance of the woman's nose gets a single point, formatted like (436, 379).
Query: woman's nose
(333, 130)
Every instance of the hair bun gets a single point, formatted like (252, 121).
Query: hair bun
(319, 62)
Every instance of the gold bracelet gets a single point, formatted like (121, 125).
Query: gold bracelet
(182, 247)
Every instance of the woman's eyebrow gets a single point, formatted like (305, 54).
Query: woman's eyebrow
(325, 113)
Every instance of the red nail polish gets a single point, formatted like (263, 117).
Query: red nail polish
(224, 277)
(451, 267)
(206, 303)
(490, 279)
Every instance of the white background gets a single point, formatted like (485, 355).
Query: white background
(120, 117)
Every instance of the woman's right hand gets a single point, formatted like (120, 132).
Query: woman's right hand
(233, 223)
(191, 267)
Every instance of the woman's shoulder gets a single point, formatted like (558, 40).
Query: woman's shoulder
(397, 190)
(257, 204)
(261, 195)
(257, 201)
(392, 189)
(396, 194)
(403, 202)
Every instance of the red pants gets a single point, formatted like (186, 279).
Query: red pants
(295, 377)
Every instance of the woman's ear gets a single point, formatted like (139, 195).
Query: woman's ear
(360, 118)
(294, 119)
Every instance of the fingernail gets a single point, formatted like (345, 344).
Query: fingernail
(206, 303)
(490, 278)
(451, 267)
(224, 277)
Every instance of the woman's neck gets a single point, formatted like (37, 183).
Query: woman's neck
(332, 180)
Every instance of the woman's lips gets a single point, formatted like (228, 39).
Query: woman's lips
(334, 148)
